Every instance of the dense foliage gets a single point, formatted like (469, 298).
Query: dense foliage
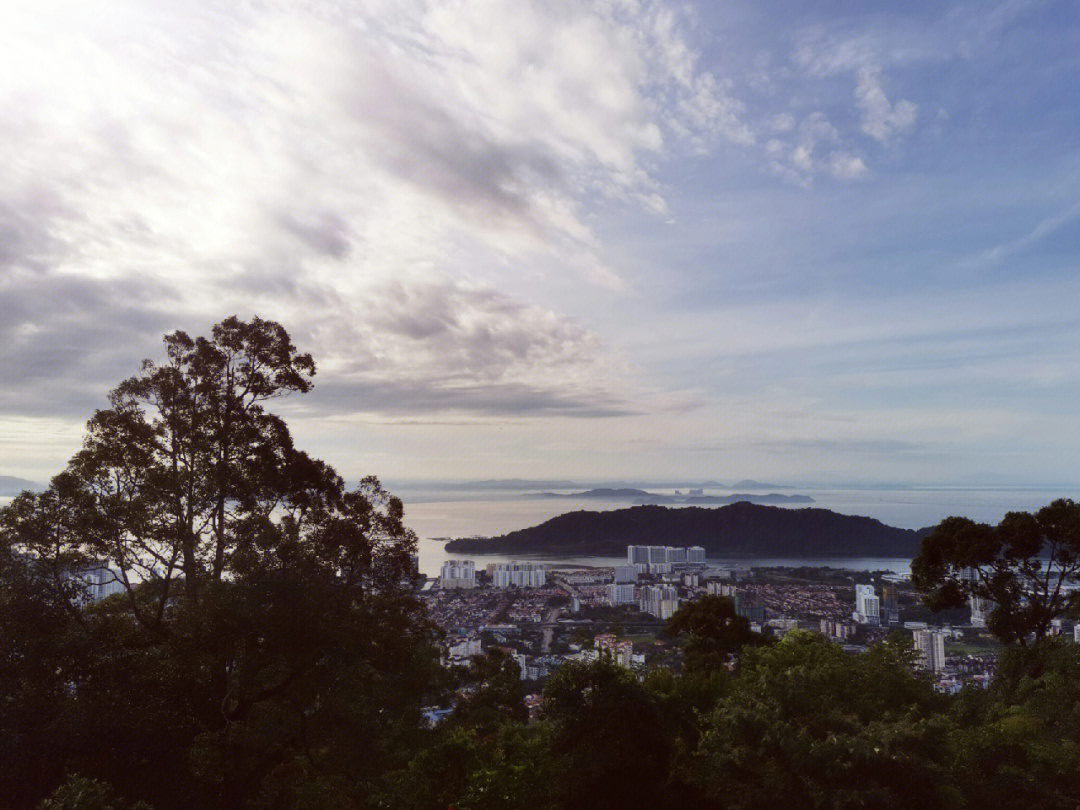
(266, 651)
(1022, 567)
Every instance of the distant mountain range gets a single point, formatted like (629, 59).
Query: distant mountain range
(738, 530)
(10, 485)
(641, 496)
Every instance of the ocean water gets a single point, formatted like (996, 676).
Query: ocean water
(462, 514)
(442, 514)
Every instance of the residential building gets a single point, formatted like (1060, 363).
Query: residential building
(609, 648)
(99, 580)
(517, 574)
(659, 600)
(931, 647)
(620, 594)
(980, 610)
(890, 604)
(867, 606)
(458, 574)
(627, 573)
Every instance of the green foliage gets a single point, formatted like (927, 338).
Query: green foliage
(714, 632)
(266, 650)
(1022, 565)
(80, 793)
(497, 696)
(806, 725)
(1024, 748)
(607, 737)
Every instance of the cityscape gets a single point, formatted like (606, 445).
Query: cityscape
(546, 616)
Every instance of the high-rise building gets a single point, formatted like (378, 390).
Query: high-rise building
(658, 555)
(980, 610)
(749, 609)
(931, 647)
(695, 554)
(637, 555)
(97, 580)
(620, 594)
(517, 574)
(660, 600)
(867, 605)
(608, 647)
(458, 574)
(626, 573)
(720, 589)
(890, 604)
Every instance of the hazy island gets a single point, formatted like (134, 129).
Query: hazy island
(641, 496)
(738, 530)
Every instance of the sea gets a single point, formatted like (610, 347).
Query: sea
(438, 514)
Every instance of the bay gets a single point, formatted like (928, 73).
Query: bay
(446, 514)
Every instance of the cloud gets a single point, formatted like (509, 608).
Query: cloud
(800, 161)
(845, 166)
(446, 346)
(1044, 228)
(63, 337)
(881, 119)
(371, 175)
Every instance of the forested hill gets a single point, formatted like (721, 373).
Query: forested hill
(741, 529)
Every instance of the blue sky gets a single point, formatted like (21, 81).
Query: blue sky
(803, 241)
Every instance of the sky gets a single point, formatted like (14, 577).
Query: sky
(807, 241)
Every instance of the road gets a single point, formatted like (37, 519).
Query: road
(549, 625)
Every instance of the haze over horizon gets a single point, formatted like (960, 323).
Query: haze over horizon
(621, 240)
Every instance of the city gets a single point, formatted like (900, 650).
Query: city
(544, 616)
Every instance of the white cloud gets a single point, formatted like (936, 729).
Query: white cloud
(881, 119)
(845, 166)
(301, 161)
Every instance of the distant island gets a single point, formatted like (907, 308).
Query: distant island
(641, 496)
(738, 530)
(10, 485)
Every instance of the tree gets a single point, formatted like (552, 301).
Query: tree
(606, 738)
(497, 696)
(1020, 565)
(714, 631)
(807, 725)
(80, 793)
(266, 642)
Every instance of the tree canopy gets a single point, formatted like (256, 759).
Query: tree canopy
(1022, 566)
(265, 636)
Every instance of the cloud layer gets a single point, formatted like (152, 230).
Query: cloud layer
(626, 224)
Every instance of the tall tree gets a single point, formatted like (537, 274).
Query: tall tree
(714, 631)
(265, 610)
(1022, 565)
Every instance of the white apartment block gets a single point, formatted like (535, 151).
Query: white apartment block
(867, 605)
(517, 574)
(98, 580)
(620, 594)
(980, 611)
(456, 574)
(664, 555)
(659, 600)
